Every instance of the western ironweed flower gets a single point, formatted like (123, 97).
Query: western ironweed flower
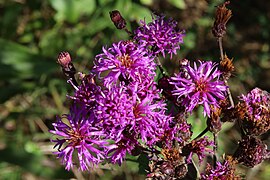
(121, 109)
(87, 92)
(78, 136)
(161, 35)
(124, 61)
(199, 147)
(199, 85)
(118, 150)
(222, 171)
(251, 151)
(253, 111)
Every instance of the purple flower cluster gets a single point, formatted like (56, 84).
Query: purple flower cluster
(161, 35)
(119, 109)
(200, 84)
(125, 111)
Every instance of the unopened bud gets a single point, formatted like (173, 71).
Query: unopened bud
(117, 19)
(64, 59)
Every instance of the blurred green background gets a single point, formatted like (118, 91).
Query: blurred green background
(33, 89)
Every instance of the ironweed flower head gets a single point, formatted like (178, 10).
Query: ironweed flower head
(199, 147)
(161, 35)
(124, 61)
(221, 171)
(78, 136)
(87, 92)
(120, 109)
(199, 84)
(253, 111)
(118, 150)
(251, 151)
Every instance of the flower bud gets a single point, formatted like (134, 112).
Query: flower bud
(117, 19)
(64, 59)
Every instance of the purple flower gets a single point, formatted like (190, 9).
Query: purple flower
(118, 150)
(121, 109)
(77, 135)
(199, 147)
(222, 171)
(86, 92)
(199, 85)
(124, 61)
(114, 110)
(161, 35)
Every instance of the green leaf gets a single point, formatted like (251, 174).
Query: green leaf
(72, 10)
(178, 3)
(20, 68)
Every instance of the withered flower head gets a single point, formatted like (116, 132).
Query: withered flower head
(173, 166)
(200, 147)
(253, 112)
(222, 17)
(117, 19)
(214, 123)
(251, 151)
(226, 67)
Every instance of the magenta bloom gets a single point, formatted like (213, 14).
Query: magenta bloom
(199, 85)
(118, 150)
(124, 61)
(87, 92)
(78, 136)
(161, 35)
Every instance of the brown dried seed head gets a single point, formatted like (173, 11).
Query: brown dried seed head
(227, 67)
(222, 17)
(251, 151)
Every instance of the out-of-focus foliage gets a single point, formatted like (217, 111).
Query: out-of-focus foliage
(33, 89)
